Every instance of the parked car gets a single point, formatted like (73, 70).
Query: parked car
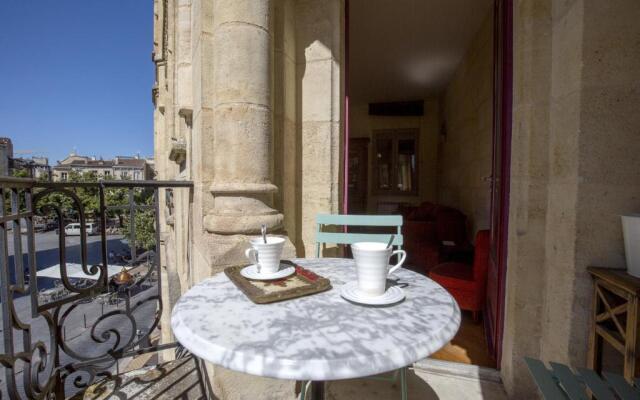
(74, 229)
(39, 226)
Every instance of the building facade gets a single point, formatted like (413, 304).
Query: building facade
(35, 167)
(121, 167)
(249, 105)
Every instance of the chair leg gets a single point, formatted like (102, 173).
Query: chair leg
(403, 383)
(304, 385)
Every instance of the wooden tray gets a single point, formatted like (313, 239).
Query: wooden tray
(302, 283)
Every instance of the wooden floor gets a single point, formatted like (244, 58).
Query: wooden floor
(468, 346)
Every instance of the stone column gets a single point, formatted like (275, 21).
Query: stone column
(242, 138)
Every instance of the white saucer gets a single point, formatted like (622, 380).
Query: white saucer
(251, 272)
(351, 292)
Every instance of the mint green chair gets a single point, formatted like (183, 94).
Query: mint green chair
(563, 383)
(324, 220)
(339, 237)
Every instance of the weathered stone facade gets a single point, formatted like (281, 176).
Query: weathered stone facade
(248, 107)
(573, 171)
(248, 102)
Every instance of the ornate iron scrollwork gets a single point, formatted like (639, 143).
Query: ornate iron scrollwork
(48, 362)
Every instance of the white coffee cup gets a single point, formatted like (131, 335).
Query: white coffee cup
(266, 255)
(372, 266)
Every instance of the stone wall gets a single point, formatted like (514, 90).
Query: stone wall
(574, 171)
(319, 33)
(248, 106)
(465, 152)
(574, 153)
(363, 125)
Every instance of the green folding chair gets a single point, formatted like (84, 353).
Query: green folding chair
(561, 383)
(335, 237)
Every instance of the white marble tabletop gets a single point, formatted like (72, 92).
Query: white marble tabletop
(318, 337)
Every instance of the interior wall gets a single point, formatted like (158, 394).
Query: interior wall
(363, 125)
(465, 153)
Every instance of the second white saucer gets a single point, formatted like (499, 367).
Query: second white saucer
(251, 272)
(351, 292)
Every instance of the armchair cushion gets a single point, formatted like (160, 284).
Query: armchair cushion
(467, 283)
(454, 275)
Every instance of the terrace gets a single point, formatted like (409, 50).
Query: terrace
(496, 137)
(104, 323)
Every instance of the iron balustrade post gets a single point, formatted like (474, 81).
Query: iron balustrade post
(132, 224)
(5, 298)
(17, 239)
(157, 258)
(103, 232)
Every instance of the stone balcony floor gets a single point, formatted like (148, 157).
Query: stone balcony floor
(422, 385)
(428, 380)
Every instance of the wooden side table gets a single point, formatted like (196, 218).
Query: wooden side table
(615, 318)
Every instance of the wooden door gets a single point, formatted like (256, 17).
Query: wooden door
(503, 66)
(358, 175)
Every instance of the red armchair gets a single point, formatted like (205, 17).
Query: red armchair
(467, 283)
(431, 232)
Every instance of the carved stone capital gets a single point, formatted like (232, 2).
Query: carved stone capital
(178, 152)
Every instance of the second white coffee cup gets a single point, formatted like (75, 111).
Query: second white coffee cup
(266, 255)
(372, 266)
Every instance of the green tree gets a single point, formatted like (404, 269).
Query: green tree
(20, 173)
(145, 230)
(114, 196)
(144, 220)
(88, 197)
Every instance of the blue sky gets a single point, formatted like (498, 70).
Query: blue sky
(77, 73)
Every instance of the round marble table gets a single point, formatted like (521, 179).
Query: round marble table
(319, 337)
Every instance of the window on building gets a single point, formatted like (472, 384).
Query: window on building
(396, 162)
(63, 176)
(107, 173)
(124, 174)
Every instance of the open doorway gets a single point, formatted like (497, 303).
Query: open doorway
(428, 138)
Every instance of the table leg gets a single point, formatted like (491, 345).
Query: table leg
(317, 390)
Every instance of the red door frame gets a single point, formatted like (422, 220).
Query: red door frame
(503, 110)
(501, 164)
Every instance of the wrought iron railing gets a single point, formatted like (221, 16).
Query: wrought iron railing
(60, 338)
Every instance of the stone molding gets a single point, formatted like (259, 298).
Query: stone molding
(232, 188)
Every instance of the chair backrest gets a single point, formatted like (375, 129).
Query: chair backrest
(323, 220)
